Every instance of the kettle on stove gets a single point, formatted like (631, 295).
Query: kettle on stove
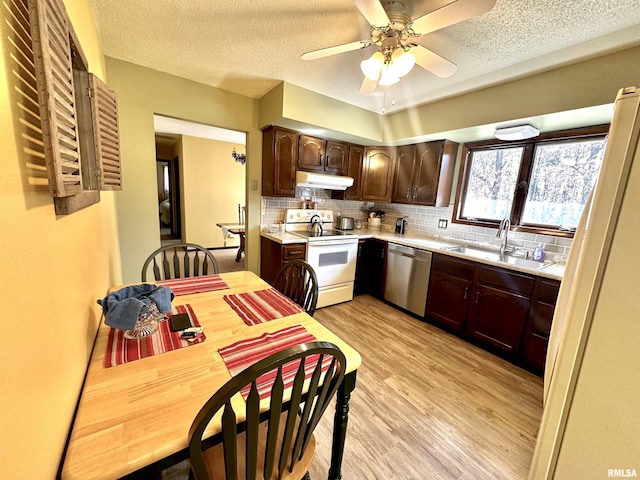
(315, 225)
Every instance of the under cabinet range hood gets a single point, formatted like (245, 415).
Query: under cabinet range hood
(322, 180)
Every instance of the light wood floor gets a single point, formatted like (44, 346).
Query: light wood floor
(428, 405)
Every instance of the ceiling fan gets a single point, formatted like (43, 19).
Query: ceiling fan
(395, 34)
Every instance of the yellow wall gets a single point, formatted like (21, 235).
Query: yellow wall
(214, 185)
(583, 84)
(141, 93)
(53, 271)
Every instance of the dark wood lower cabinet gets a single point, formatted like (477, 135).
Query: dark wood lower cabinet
(450, 287)
(371, 267)
(498, 317)
(273, 255)
(536, 335)
(505, 310)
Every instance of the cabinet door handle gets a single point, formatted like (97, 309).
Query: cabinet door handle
(408, 192)
(295, 252)
(466, 293)
(478, 296)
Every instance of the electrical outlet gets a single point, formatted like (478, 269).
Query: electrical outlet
(442, 223)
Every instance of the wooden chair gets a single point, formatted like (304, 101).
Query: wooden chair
(241, 212)
(178, 260)
(275, 442)
(297, 280)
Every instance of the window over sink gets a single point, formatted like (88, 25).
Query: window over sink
(541, 184)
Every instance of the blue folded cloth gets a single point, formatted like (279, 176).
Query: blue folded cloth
(122, 307)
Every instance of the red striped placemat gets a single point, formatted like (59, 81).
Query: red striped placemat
(122, 350)
(189, 285)
(245, 353)
(262, 305)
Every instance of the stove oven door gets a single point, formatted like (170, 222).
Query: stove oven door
(334, 262)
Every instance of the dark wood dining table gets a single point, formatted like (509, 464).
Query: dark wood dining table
(133, 419)
(236, 229)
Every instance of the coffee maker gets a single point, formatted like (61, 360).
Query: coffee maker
(401, 225)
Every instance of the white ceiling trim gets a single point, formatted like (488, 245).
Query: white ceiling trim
(182, 127)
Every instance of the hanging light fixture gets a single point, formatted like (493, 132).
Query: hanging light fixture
(239, 157)
(390, 63)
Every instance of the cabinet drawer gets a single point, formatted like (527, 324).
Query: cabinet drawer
(510, 281)
(296, 250)
(535, 351)
(453, 266)
(541, 316)
(548, 291)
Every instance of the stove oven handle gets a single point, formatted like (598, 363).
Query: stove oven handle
(325, 243)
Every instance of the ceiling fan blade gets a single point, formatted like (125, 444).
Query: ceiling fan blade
(368, 85)
(374, 13)
(451, 14)
(433, 62)
(325, 52)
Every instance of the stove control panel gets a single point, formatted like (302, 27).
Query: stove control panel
(296, 215)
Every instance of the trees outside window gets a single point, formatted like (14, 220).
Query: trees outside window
(541, 185)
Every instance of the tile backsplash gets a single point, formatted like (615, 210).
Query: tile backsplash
(423, 220)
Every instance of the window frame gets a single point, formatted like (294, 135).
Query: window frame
(524, 176)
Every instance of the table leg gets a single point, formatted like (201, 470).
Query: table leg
(240, 248)
(340, 425)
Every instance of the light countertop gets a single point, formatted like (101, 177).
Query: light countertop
(430, 243)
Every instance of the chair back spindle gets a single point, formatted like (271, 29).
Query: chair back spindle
(179, 260)
(297, 280)
(275, 440)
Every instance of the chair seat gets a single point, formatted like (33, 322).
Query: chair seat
(214, 457)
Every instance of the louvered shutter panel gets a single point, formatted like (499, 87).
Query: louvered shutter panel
(104, 111)
(53, 62)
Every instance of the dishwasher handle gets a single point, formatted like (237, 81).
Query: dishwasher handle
(410, 252)
(418, 258)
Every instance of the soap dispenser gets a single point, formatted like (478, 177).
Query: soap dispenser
(538, 254)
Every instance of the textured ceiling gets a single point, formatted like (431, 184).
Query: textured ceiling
(249, 46)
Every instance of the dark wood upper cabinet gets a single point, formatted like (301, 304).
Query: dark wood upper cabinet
(279, 156)
(337, 157)
(423, 173)
(318, 155)
(403, 174)
(311, 153)
(354, 170)
(377, 172)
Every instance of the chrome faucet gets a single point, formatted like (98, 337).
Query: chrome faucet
(505, 225)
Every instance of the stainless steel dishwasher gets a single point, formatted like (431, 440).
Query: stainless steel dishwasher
(407, 282)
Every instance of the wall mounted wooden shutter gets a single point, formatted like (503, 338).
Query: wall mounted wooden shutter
(104, 112)
(53, 61)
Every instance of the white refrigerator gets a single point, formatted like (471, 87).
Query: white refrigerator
(590, 427)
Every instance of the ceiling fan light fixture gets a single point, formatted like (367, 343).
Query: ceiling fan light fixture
(402, 62)
(388, 76)
(373, 66)
(520, 132)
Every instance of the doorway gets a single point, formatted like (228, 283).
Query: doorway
(201, 181)
(168, 180)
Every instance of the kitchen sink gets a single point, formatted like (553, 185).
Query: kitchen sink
(493, 256)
